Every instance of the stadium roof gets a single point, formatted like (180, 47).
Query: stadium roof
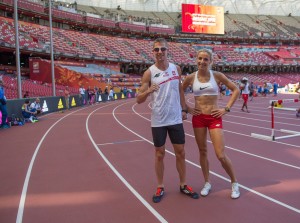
(259, 7)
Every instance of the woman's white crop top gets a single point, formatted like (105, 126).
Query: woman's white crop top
(207, 88)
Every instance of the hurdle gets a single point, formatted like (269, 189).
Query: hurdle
(272, 136)
(279, 102)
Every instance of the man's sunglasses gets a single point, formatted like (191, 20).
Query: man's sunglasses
(162, 49)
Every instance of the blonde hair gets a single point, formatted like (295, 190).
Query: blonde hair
(209, 52)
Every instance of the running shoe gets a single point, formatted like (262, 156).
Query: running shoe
(235, 193)
(187, 190)
(160, 191)
(206, 189)
(5, 126)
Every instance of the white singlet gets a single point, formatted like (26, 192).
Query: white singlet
(166, 107)
(207, 88)
(246, 89)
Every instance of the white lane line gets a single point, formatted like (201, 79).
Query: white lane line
(124, 181)
(119, 142)
(282, 143)
(253, 191)
(237, 133)
(254, 155)
(236, 112)
(29, 170)
(218, 175)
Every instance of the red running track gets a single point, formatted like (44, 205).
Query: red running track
(96, 164)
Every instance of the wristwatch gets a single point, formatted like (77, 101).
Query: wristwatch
(184, 110)
(227, 109)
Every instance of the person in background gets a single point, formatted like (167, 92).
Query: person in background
(91, 95)
(96, 94)
(241, 87)
(162, 81)
(275, 88)
(265, 90)
(106, 92)
(67, 97)
(251, 89)
(207, 116)
(125, 91)
(222, 90)
(36, 107)
(27, 113)
(26, 95)
(99, 94)
(298, 91)
(111, 94)
(3, 109)
(245, 93)
(82, 95)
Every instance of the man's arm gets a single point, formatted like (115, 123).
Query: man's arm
(181, 91)
(184, 107)
(146, 87)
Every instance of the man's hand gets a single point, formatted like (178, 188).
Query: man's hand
(153, 87)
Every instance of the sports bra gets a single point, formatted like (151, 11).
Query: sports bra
(207, 88)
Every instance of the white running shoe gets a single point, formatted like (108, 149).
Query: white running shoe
(235, 193)
(206, 189)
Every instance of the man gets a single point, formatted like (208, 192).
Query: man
(251, 89)
(111, 94)
(67, 97)
(245, 93)
(3, 109)
(275, 88)
(162, 82)
(36, 106)
(82, 95)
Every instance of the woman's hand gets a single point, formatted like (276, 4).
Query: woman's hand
(218, 113)
(194, 111)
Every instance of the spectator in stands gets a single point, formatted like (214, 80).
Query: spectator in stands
(3, 109)
(27, 113)
(26, 95)
(67, 97)
(162, 82)
(82, 95)
(36, 107)
(207, 116)
(275, 88)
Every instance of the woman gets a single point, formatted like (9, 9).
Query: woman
(207, 116)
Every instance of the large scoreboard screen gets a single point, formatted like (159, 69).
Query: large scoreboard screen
(202, 19)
